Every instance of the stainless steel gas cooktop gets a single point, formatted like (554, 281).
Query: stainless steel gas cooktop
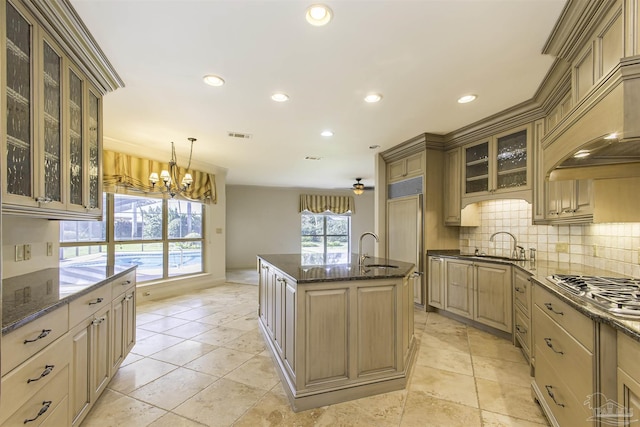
(618, 295)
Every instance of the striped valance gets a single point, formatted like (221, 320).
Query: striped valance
(131, 172)
(315, 203)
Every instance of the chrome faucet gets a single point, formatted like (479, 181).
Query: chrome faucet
(361, 257)
(514, 253)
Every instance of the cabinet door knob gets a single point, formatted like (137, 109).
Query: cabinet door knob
(43, 334)
(45, 407)
(47, 371)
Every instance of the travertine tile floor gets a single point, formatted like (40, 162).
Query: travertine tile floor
(200, 360)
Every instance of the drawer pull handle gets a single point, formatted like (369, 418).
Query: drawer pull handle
(280, 279)
(550, 345)
(126, 282)
(550, 308)
(519, 290)
(521, 329)
(45, 407)
(47, 371)
(98, 321)
(43, 334)
(551, 395)
(97, 301)
(128, 297)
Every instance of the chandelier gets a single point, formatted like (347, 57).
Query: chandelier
(171, 177)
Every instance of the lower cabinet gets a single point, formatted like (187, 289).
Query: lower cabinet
(436, 282)
(123, 329)
(479, 291)
(522, 310)
(628, 375)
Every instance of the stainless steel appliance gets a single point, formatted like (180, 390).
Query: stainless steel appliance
(619, 296)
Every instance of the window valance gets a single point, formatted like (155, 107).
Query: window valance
(315, 203)
(124, 170)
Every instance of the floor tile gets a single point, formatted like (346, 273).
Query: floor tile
(249, 342)
(143, 318)
(154, 344)
(189, 330)
(117, 410)
(458, 388)
(273, 410)
(219, 335)
(168, 310)
(163, 324)
(383, 410)
(219, 362)
(508, 399)
(502, 371)
(423, 410)
(445, 337)
(138, 374)
(143, 333)
(491, 419)
(257, 372)
(197, 313)
(220, 404)
(183, 353)
(173, 420)
(487, 345)
(447, 360)
(174, 388)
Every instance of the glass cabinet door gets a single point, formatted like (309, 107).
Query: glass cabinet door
(94, 152)
(477, 168)
(52, 127)
(512, 160)
(76, 167)
(19, 148)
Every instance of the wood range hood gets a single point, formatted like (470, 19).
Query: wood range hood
(600, 137)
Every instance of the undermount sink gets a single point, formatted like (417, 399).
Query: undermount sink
(381, 266)
(502, 258)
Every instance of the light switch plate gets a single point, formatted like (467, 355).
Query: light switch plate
(27, 252)
(49, 248)
(19, 253)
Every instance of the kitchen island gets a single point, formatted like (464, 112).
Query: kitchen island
(337, 332)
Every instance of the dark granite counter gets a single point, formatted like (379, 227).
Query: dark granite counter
(30, 296)
(294, 266)
(540, 270)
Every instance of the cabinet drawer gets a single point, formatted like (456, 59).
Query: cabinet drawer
(34, 374)
(123, 284)
(47, 399)
(86, 305)
(566, 354)
(24, 342)
(522, 292)
(522, 331)
(566, 408)
(575, 323)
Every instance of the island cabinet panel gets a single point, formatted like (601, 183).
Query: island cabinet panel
(326, 336)
(336, 338)
(377, 329)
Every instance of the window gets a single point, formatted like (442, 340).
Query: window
(325, 239)
(164, 238)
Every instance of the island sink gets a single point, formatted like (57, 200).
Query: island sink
(337, 332)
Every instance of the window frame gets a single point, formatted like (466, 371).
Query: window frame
(110, 242)
(324, 234)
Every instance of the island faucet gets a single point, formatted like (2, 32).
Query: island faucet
(360, 256)
(514, 253)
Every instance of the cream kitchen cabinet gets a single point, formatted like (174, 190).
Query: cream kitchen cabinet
(53, 140)
(569, 201)
(452, 186)
(628, 375)
(522, 311)
(123, 316)
(436, 282)
(498, 167)
(479, 291)
(406, 168)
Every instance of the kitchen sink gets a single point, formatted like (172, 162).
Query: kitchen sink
(496, 257)
(381, 266)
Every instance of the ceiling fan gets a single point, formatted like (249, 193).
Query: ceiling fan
(359, 187)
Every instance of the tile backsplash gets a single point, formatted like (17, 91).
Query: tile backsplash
(613, 247)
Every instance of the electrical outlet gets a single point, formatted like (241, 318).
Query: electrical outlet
(49, 248)
(27, 252)
(562, 248)
(596, 251)
(19, 253)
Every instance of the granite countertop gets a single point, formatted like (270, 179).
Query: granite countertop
(302, 271)
(30, 296)
(540, 270)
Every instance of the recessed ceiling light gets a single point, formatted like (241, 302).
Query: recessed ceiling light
(280, 97)
(213, 80)
(326, 133)
(318, 15)
(466, 98)
(373, 97)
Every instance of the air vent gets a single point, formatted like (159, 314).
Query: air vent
(239, 135)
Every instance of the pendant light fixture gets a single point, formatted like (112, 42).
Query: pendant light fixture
(171, 177)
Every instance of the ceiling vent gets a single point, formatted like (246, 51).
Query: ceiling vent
(239, 135)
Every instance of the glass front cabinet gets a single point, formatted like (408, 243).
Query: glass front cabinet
(53, 113)
(498, 165)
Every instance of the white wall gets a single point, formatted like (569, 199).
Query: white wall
(618, 245)
(265, 220)
(18, 230)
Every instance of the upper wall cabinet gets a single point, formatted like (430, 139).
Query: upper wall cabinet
(498, 167)
(406, 168)
(53, 138)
